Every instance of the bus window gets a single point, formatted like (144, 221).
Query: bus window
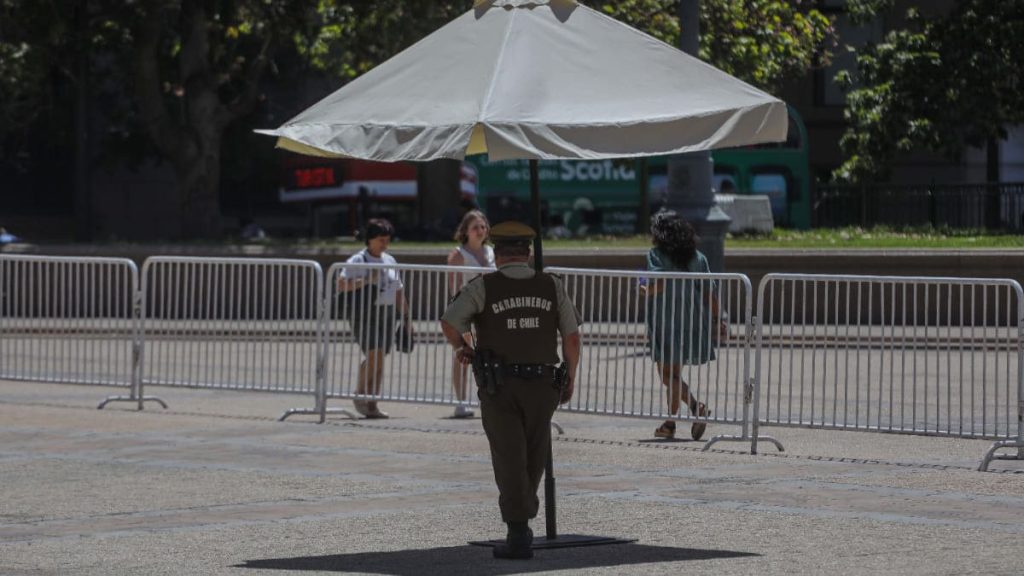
(775, 185)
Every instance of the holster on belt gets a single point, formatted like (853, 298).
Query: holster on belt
(561, 377)
(487, 370)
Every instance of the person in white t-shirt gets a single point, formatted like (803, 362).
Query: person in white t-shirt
(473, 250)
(376, 300)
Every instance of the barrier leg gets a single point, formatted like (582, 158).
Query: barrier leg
(139, 400)
(749, 394)
(991, 454)
(136, 394)
(318, 412)
(320, 409)
(740, 438)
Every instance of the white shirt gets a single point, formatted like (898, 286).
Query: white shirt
(389, 282)
(468, 259)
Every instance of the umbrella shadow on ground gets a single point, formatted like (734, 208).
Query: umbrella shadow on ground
(478, 560)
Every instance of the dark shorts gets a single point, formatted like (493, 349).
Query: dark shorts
(374, 330)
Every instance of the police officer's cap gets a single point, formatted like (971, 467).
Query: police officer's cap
(512, 232)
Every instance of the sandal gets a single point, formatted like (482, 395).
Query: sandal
(666, 430)
(698, 428)
(375, 413)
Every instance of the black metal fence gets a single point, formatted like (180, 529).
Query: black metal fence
(988, 206)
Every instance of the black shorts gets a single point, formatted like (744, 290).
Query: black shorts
(374, 329)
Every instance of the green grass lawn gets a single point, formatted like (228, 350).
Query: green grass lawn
(858, 238)
(878, 238)
(826, 238)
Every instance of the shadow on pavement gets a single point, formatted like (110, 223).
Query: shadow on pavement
(477, 560)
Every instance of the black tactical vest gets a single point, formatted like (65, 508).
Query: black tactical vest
(520, 319)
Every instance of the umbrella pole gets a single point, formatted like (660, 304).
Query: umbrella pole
(538, 254)
(538, 264)
(551, 538)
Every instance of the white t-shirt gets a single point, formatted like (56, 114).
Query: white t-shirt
(388, 283)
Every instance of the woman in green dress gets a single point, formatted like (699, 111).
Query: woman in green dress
(682, 315)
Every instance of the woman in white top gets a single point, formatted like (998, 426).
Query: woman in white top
(375, 297)
(472, 250)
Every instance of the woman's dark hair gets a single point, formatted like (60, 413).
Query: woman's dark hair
(674, 236)
(376, 227)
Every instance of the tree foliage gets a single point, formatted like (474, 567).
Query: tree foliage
(37, 49)
(353, 37)
(763, 42)
(938, 84)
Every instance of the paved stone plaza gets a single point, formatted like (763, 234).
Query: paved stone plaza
(215, 485)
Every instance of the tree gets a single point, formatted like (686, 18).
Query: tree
(197, 67)
(173, 75)
(179, 72)
(176, 72)
(939, 84)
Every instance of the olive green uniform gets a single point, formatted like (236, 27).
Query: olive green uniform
(517, 314)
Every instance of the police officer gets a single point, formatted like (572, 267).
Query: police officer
(517, 313)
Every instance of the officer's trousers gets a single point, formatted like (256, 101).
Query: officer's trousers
(517, 420)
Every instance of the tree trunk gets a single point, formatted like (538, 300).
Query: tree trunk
(198, 185)
(83, 161)
(190, 136)
(993, 218)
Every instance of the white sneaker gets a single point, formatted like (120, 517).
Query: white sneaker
(463, 411)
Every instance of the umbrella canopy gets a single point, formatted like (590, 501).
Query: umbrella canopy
(535, 79)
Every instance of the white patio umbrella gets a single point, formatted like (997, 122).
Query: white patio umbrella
(536, 79)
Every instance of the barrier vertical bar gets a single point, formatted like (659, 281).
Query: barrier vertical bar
(1018, 442)
(758, 337)
(137, 304)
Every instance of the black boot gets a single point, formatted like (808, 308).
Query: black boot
(518, 544)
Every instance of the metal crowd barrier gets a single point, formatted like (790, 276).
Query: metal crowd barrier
(232, 323)
(68, 320)
(913, 355)
(423, 375)
(704, 321)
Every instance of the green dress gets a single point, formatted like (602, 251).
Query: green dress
(679, 325)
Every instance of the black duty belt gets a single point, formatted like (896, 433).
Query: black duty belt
(528, 370)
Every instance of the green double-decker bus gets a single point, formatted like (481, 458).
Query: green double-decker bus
(603, 196)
